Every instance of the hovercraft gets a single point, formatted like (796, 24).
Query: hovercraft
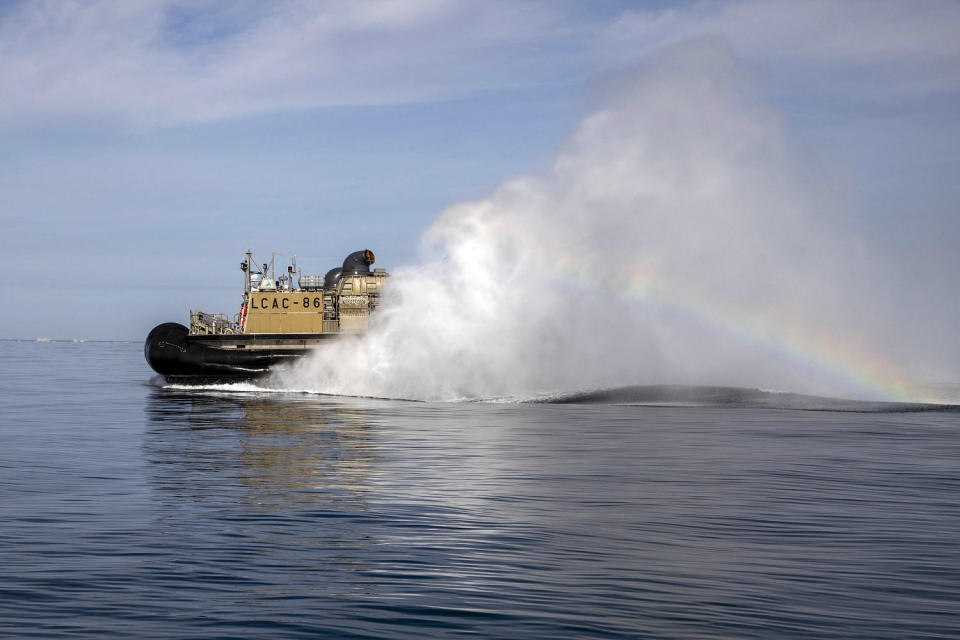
(277, 322)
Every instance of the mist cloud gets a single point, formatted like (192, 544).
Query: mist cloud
(672, 242)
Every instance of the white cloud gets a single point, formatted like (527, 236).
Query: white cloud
(166, 62)
(874, 48)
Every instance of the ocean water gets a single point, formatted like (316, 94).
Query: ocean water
(133, 510)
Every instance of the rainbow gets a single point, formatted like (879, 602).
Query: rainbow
(842, 355)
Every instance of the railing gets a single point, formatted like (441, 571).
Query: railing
(206, 324)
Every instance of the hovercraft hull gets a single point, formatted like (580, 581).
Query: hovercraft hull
(180, 357)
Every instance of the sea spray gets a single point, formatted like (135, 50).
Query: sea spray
(671, 242)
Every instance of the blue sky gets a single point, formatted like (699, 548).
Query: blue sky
(145, 146)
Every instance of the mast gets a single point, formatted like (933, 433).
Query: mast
(246, 273)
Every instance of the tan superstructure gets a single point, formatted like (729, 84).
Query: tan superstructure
(339, 303)
(343, 310)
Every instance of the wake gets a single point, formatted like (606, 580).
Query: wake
(676, 396)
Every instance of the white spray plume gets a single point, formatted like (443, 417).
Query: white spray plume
(669, 217)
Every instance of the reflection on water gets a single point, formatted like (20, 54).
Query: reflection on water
(270, 492)
(307, 449)
(284, 451)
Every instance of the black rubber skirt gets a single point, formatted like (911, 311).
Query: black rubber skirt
(172, 352)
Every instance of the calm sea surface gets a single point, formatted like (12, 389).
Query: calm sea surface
(129, 510)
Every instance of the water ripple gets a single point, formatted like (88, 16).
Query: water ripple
(132, 510)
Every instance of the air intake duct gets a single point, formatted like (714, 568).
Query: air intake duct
(331, 279)
(358, 263)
